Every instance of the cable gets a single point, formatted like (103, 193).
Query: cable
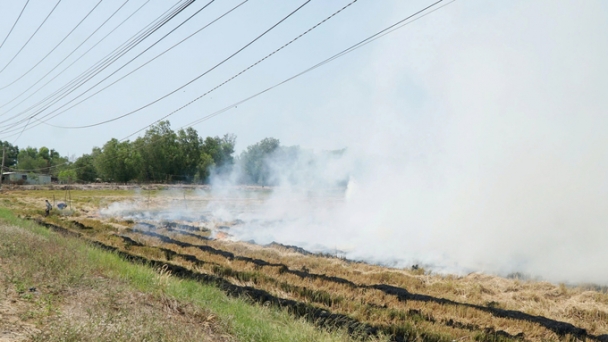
(104, 63)
(32, 36)
(107, 63)
(77, 59)
(162, 53)
(141, 66)
(20, 133)
(362, 43)
(382, 33)
(239, 73)
(15, 24)
(217, 65)
(56, 46)
(74, 50)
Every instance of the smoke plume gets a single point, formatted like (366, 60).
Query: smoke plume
(485, 150)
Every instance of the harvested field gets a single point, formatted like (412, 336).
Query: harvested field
(333, 292)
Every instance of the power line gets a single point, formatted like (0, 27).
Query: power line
(226, 59)
(107, 60)
(401, 23)
(56, 46)
(217, 65)
(32, 36)
(76, 60)
(242, 71)
(137, 56)
(157, 56)
(20, 133)
(96, 66)
(15, 24)
(66, 57)
(100, 65)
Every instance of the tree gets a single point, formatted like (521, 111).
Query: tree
(41, 160)
(189, 153)
(67, 176)
(56, 163)
(116, 162)
(255, 161)
(11, 153)
(84, 167)
(159, 153)
(203, 168)
(30, 160)
(220, 150)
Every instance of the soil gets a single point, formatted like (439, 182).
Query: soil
(12, 311)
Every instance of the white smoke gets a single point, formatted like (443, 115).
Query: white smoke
(501, 166)
(497, 163)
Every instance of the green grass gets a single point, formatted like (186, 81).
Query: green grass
(56, 264)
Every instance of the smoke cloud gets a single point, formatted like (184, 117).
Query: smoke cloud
(496, 163)
(485, 150)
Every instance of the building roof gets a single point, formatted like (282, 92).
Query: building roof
(25, 173)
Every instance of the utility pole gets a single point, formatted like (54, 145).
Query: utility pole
(2, 168)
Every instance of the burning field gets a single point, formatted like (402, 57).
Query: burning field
(241, 242)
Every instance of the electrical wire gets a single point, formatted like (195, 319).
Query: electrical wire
(56, 46)
(14, 24)
(134, 70)
(77, 59)
(20, 133)
(242, 71)
(66, 57)
(217, 65)
(131, 72)
(105, 61)
(399, 24)
(32, 36)
(101, 65)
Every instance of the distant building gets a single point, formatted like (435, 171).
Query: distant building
(25, 178)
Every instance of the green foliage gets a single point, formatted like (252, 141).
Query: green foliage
(117, 162)
(205, 164)
(220, 150)
(255, 161)
(10, 158)
(67, 176)
(161, 155)
(29, 159)
(43, 161)
(189, 154)
(84, 166)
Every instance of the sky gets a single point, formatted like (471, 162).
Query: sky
(405, 84)
(306, 111)
(476, 134)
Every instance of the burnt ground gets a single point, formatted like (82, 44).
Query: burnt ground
(321, 317)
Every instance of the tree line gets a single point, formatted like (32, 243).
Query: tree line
(163, 155)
